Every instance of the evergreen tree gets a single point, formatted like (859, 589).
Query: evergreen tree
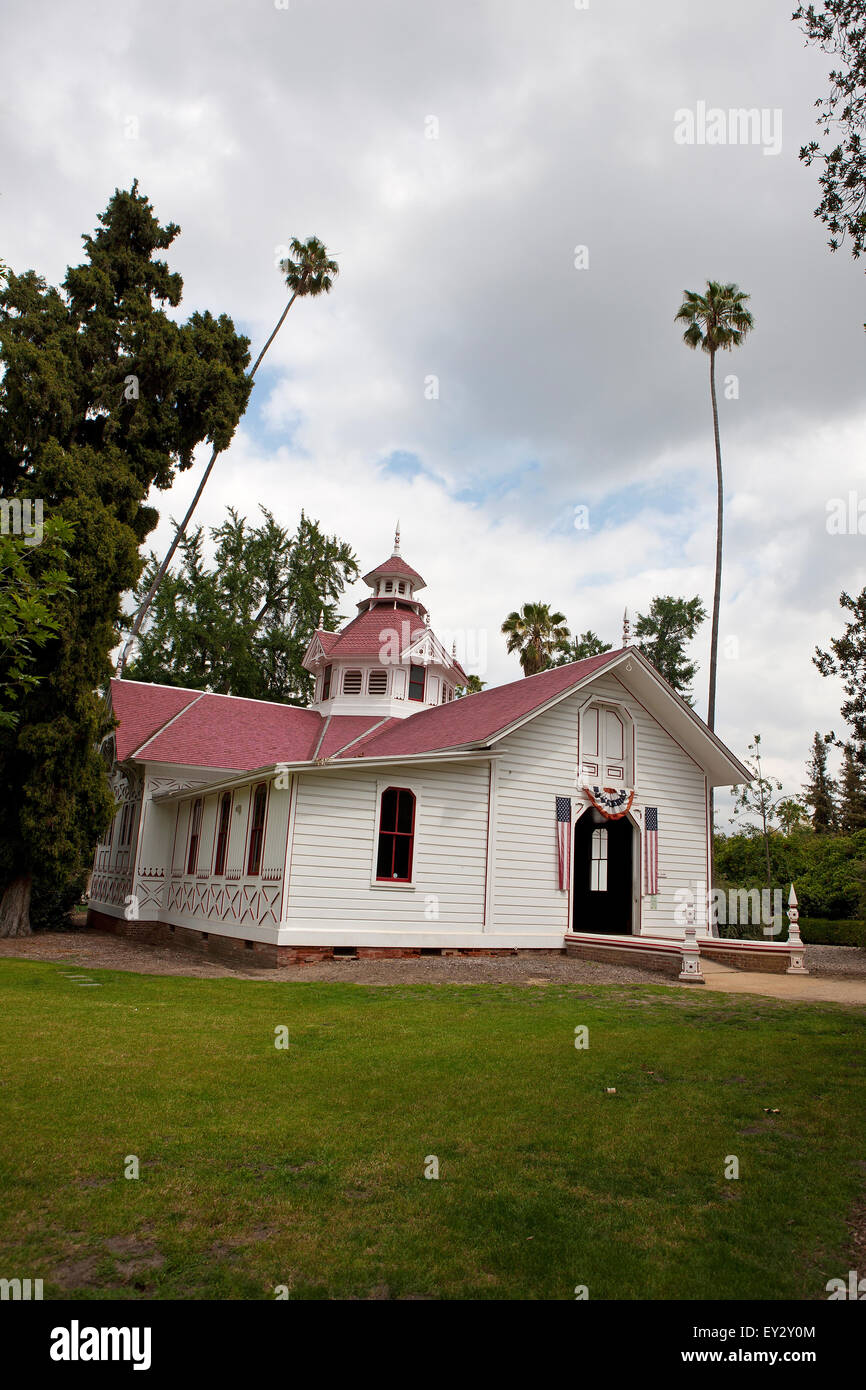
(31, 578)
(852, 792)
(820, 791)
(662, 635)
(586, 644)
(242, 626)
(838, 27)
(847, 659)
(104, 394)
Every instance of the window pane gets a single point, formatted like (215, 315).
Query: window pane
(383, 861)
(402, 847)
(416, 682)
(405, 812)
(388, 819)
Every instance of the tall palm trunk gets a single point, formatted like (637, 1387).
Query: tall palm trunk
(717, 591)
(181, 530)
(717, 596)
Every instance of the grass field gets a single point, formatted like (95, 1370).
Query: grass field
(304, 1166)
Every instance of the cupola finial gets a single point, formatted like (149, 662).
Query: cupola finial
(626, 629)
(396, 550)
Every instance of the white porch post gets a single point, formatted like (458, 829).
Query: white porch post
(794, 941)
(691, 954)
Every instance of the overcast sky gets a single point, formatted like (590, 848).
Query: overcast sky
(454, 156)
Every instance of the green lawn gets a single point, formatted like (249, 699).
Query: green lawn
(305, 1167)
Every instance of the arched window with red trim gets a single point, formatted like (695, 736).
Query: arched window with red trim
(396, 848)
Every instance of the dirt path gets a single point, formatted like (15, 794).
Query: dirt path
(838, 972)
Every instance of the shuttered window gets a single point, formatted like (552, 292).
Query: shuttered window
(194, 836)
(351, 682)
(377, 682)
(222, 842)
(257, 831)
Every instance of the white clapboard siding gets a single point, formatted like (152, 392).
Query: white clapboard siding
(539, 762)
(333, 841)
(670, 780)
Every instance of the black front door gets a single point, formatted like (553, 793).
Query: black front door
(603, 874)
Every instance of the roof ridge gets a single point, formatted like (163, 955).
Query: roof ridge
(217, 694)
(167, 725)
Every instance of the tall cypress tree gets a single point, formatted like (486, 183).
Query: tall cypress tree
(852, 800)
(820, 791)
(103, 396)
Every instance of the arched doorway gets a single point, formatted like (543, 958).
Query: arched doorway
(603, 874)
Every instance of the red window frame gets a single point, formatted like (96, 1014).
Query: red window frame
(194, 835)
(413, 680)
(389, 834)
(258, 814)
(224, 818)
(326, 683)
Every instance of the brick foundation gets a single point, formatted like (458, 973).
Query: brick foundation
(664, 962)
(234, 949)
(742, 958)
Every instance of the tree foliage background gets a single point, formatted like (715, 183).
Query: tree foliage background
(104, 395)
(241, 625)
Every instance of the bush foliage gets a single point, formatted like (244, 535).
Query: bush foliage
(828, 871)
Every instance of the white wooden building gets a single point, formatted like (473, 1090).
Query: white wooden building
(393, 816)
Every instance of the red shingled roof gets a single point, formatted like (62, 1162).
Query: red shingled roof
(327, 639)
(142, 709)
(368, 637)
(475, 718)
(161, 724)
(396, 565)
(345, 728)
(227, 732)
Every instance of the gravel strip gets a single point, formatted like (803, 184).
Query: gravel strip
(102, 950)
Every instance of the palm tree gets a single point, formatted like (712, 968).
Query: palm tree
(535, 633)
(716, 321)
(309, 271)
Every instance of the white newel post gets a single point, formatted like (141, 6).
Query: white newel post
(691, 955)
(794, 941)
